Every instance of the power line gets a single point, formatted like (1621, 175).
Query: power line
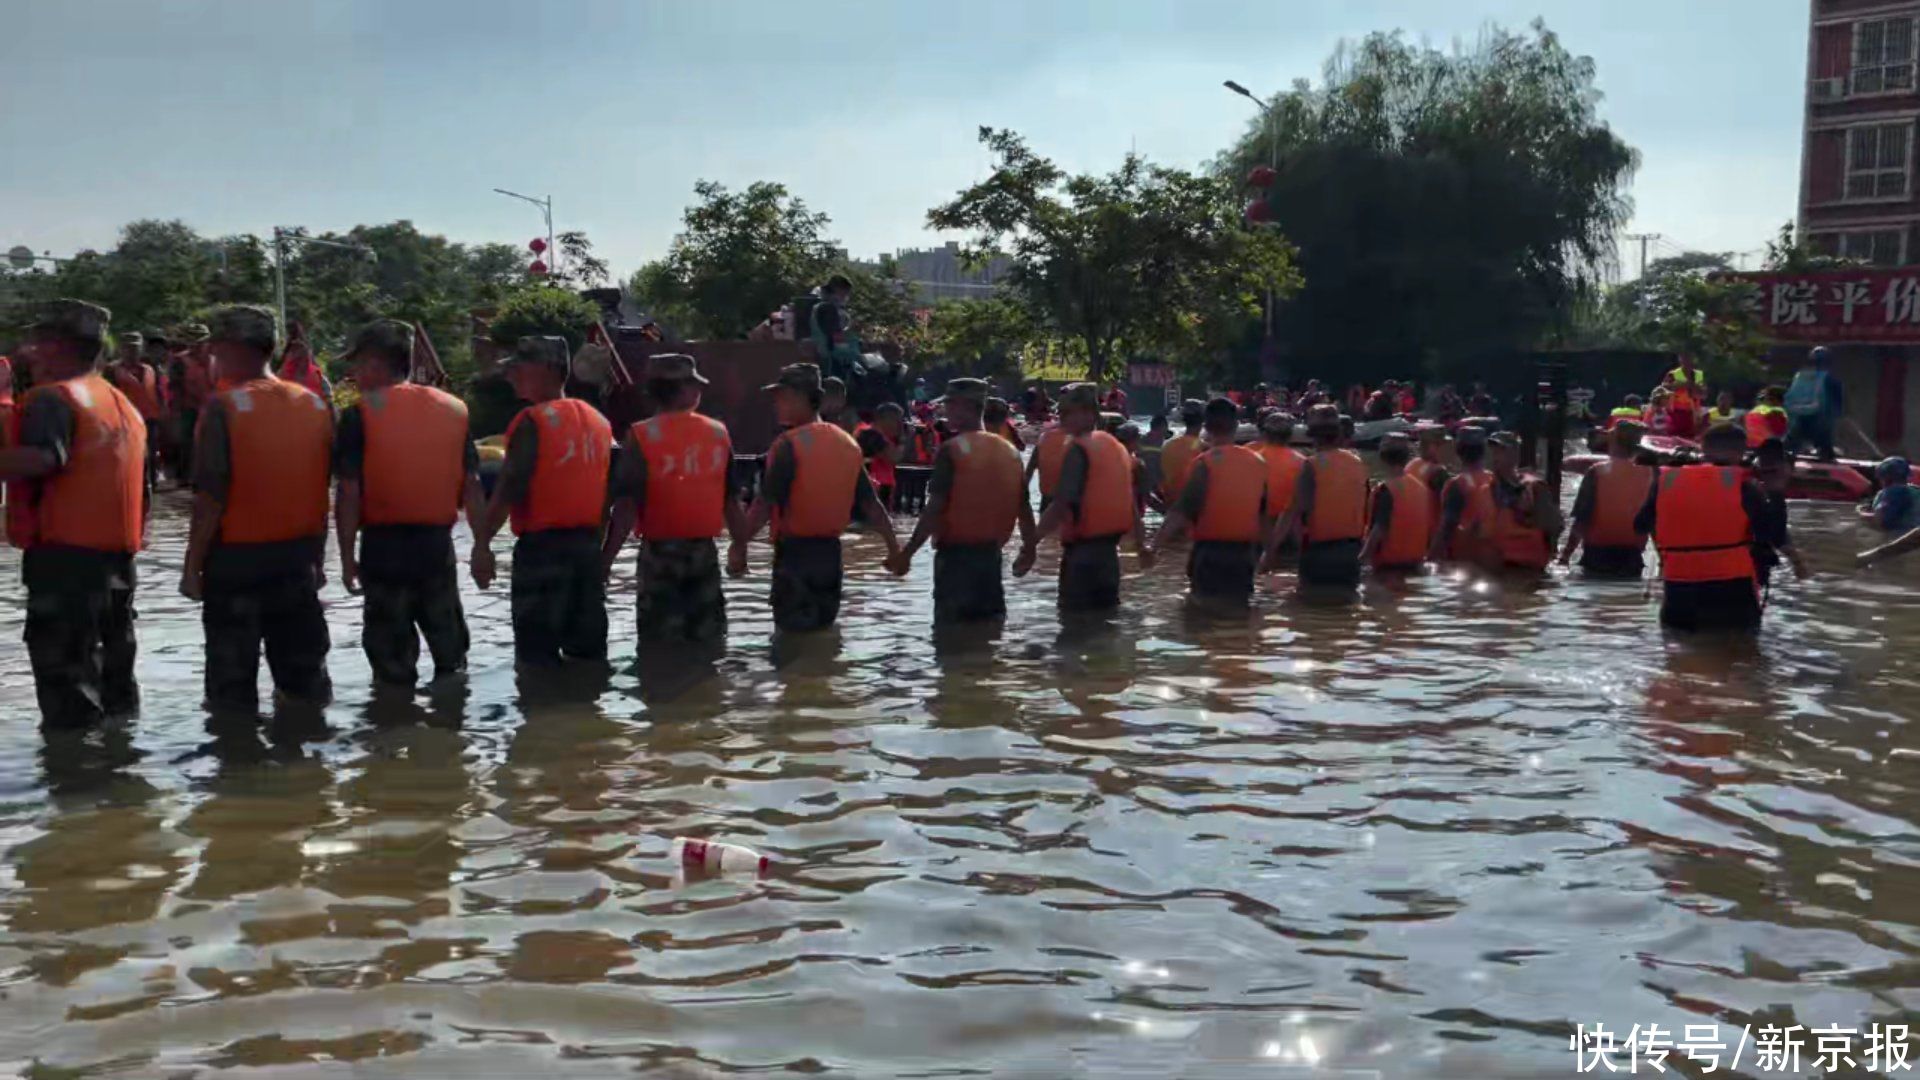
(1644, 239)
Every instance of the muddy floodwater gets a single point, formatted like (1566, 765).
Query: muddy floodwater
(1425, 834)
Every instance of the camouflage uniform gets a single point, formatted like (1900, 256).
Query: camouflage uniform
(1089, 568)
(806, 582)
(967, 583)
(680, 594)
(559, 597)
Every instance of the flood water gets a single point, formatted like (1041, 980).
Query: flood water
(1422, 834)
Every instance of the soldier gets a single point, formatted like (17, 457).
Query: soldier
(139, 384)
(976, 497)
(406, 465)
(82, 455)
(1224, 503)
(554, 489)
(189, 385)
(1094, 505)
(671, 489)
(262, 457)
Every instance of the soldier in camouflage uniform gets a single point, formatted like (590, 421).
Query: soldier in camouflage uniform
(672, 480)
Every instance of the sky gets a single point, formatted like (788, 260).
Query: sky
(240, 115)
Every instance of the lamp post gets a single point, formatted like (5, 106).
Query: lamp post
(281, 239)
(1273, 162)
(545, 203)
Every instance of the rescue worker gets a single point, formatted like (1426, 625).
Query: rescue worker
(78, 471)
(1224, 503)
(1526, 519)
(1401, 516)
(833, 339)
(1704, 519)
(262, 457)
(1178, 452)
(1466, 503)
(1768, 418)
(672, 490)
(1773, 468)
(553, 488)
(1723, 411)
(1283, 462)
(976, 497)
(1815, 400)
(814, 480)
(299, 367)
(1431, 466)
(160, 433)
(1630, 408)
(1093, 507)
(1329, 507)
(1689, 397)
(405, 466)
(1129, 436)
(1610, 495)
(1049, 452)
(834, 408)
(999, 421)
(137, 382)
(1159, 430)
(190, 386)
(883, 445)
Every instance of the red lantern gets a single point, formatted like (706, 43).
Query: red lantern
(537, 245)
(538, 269)
(1260, 177)
(1258, 210)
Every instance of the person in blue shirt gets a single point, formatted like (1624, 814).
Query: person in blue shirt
(1897, 507)
(1814, 404)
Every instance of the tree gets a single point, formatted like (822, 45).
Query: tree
(885, 308)
(738, 257)
(1143, 258)
(543, 311)
(1787, 254)
(984, 337)
(1686, 304)
(1447, 205)
(580, 268)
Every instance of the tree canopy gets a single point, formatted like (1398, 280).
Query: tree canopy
(738, 257)
(1142, 259)
(1447, 204)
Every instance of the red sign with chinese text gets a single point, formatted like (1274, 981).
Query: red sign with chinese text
(1156, 375)
(1876, 305)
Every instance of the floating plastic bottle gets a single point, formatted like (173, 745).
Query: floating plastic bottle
(715, 858)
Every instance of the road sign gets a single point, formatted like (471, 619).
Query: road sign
(20, 256)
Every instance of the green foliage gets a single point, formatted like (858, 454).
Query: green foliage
(738, 257)
(885, 308)
(160, 273)
(543, 311)
(1446, 204)
(1683, 304)
(1143, 258)
(1787, 255)
(983, 337)
(580, 268)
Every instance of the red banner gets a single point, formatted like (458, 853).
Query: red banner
(1156, 375)
(1867, 305)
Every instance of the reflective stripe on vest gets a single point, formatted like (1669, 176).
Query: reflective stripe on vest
(1339, 497)
(688, 459)
(1620, 490)
(95, 500)
(826, 472)
(414, 469)
(1049, 456)
(1283, 476)
(279, 449)
(1700, 524)
(1410, 529)
(983, 503)
(1236, 490)
(568, 488)
(1106, 505)
(1176, 456)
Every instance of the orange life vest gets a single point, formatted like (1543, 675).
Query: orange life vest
(1520, 543)
(826, 473)
(984, 502)
(415, 467)
(1283, 475)
(1700, 524)
(1410, 529)
(1620, 490)
(1176, 456)
(1236, 490)
(880, 468)
(1006, 430)
(196, 386)
(97, 500)
(304, 374)
(1765, 422)
(1048, 457)
(568, 489)
(1339, 497)
(688, 458)
(1106, 506)
(1424, 471)
(19, 493)
(279, 448)
(140, 388)
(1474, 531)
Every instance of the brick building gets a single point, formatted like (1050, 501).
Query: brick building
(1857, 191)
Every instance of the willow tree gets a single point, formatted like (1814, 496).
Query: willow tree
(1448, 205)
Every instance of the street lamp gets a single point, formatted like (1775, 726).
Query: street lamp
(545, 203)
(1273, 162)
(282, 238)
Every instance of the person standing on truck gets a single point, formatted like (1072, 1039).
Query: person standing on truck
(832, 332)
(1814, 404)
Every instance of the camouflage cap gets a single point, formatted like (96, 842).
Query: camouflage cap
(1276, 423)
(1083, 395)
(673, 365)
(133, 339)
(1396, 439)
(1427, 429)
(156, 339)
(834, 385)
(190, 333)
(546, 350)
(390, 337)
(246, 324)
(70, 318)
(802, 377)
(1323, 418)
(974, 390)
(1470, 435)
(1504, 439)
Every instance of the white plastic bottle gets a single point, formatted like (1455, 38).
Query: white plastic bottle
(714, 857)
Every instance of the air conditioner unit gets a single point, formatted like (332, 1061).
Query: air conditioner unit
(1829, 89)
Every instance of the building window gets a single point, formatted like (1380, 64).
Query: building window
(1880, 247)
(1877, 161)
(1883, 55)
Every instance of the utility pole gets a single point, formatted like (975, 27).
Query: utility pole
(1644, 239)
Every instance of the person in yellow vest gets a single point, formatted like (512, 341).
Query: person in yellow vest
(1093, 507)
(79, 468)
(672, 488)
(1329, 507)
(1224, 503)
(262, 459)
(1723, 411)
(815, 479)
(553, 488)
(405, 467)
(1629, 408)
(1178, 452)
(976, 498)
(1768, 419)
